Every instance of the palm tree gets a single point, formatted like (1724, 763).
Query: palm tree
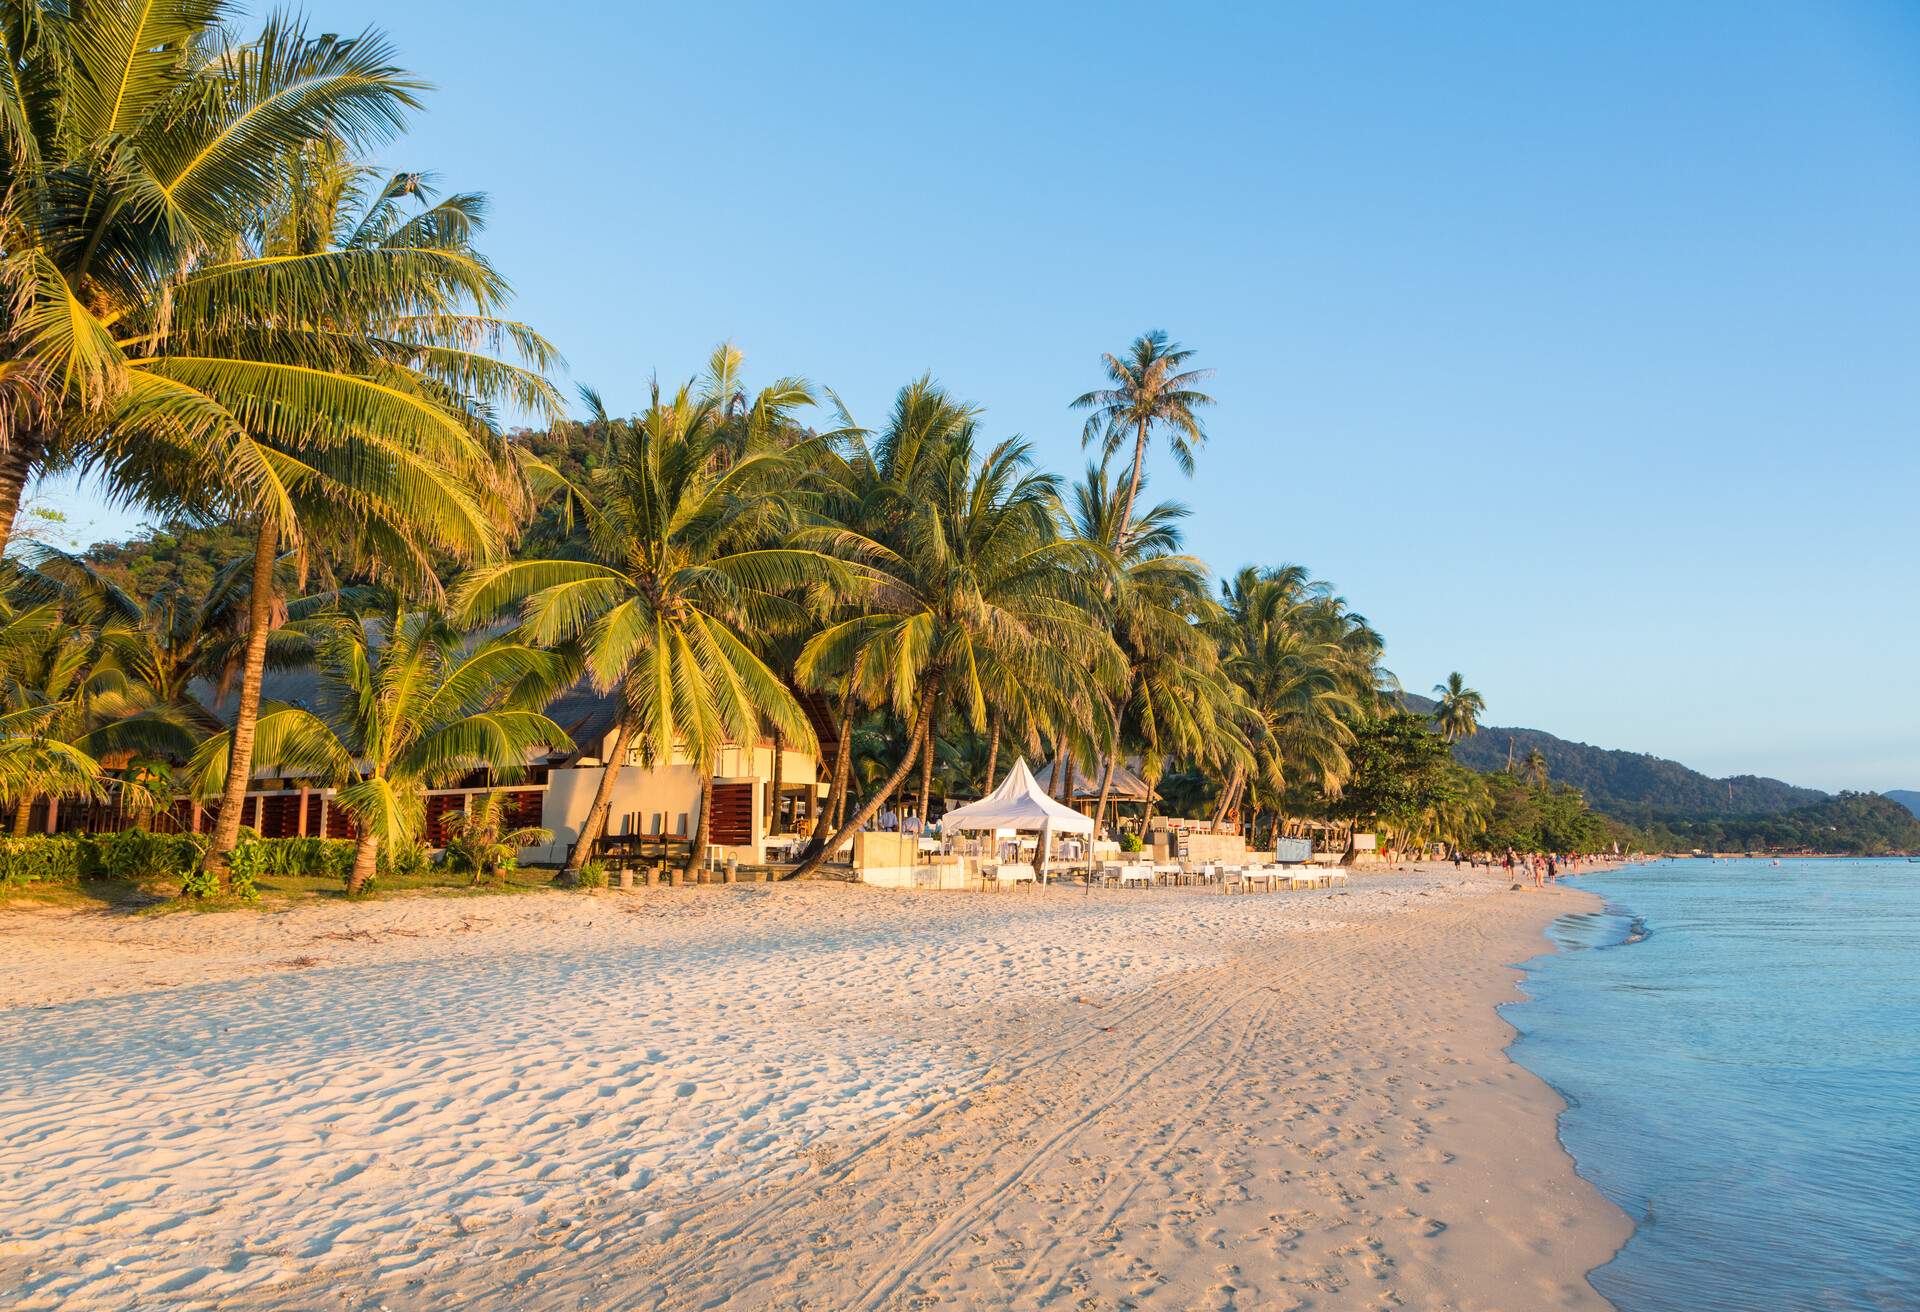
(969, 585)
(1151, 388)
(209, 312)
(66, 700)
(1154, 599)
(1535, 769)
(481, 840)
(392, 302)
(406, 702)
(138, 141)
(688, 562)
(1460, 709)
(1306, 667)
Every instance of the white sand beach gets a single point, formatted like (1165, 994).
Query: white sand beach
(799, 1096)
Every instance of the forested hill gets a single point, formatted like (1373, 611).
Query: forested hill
(1860, 824)
(1907, 797)
(1632, 786)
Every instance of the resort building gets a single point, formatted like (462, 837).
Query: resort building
(554, 793)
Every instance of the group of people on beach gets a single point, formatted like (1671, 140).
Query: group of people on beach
(1545, 866)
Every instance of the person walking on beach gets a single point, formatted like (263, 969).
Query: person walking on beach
(1553, 867)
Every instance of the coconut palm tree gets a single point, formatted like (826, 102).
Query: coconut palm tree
(407, 701)
(969, 585)
(482, 841)
(1535, 770)
(209, 311)
(374, 289)
(1155, 600)
(1306, 667)
(1460, 709)
(66, 700)
(1150, 388)
(689, 561)
(138, 141)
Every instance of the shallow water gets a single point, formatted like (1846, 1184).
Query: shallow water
(1739, 1046)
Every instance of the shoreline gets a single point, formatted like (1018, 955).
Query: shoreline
(774, 1096)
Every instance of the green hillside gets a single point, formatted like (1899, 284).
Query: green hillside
(1632, 786)
(1862, 824)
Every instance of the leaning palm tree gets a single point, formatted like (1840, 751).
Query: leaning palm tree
(688, 563)
(969, 582)
(1458, 714)
(1151, 388)
(406, 702)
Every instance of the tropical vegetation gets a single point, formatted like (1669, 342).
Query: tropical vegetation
(302, 369)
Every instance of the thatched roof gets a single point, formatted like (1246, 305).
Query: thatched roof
(1128, 786)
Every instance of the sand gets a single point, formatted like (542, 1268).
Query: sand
(800, 1096)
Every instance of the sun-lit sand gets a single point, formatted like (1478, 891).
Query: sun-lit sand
(806, 1096)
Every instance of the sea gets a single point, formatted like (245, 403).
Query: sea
(1738, 1044)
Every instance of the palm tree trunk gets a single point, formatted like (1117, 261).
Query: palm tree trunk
(773, 811)
(1133, 483)
(366, 860)
(1106, 789)
(873, 804)
(993, 755)
(1226, 793)
(246, 717)
(701, 826)
(837, 787)
(596, 821)
(23, 817)
(16, 467)
(926, 781)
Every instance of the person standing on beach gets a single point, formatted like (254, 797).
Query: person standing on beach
(1553, 867)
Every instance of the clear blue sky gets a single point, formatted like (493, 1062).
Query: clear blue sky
(1577, 344)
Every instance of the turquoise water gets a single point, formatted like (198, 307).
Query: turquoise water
(1739, 1046)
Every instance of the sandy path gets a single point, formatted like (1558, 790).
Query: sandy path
(796, 1097)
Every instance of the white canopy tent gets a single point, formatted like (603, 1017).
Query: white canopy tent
(1018, 803)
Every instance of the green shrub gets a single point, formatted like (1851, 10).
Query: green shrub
(1131, 842)
(593, 875)
(316, 858)
(143, 854)
(47, 859)
(413, 859)
(199, 882)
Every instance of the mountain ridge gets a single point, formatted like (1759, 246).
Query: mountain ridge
(1637, 787)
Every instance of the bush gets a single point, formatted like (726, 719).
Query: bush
(199, 883)
(44, 859)
(593, 875)
(413, 859)
(317, 858)
(143, 854)
(1131, 842)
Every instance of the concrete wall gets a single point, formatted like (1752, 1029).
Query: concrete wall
(664, 799)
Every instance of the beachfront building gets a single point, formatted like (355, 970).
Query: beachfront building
(1083, 783)
(555, 791)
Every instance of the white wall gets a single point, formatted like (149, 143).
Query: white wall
(669, 792)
